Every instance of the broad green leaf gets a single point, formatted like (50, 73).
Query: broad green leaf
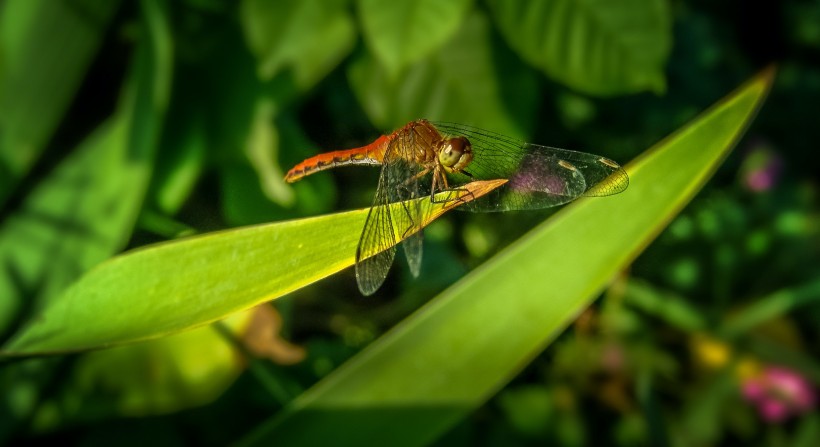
(417, 381)
(173, 286)
(85, 210)
(402, 32)
(598, 47)
(458, 83)
(45, 50)
(308, 36)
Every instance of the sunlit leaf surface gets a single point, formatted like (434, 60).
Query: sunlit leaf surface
(173, 286)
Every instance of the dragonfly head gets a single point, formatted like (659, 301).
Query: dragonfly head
(455, 154)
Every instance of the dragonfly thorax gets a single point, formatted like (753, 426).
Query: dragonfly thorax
(455, 154)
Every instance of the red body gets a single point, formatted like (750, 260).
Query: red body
(425, 137)
(372, 154)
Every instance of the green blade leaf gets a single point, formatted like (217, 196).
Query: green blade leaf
(402, 32)
(595, 46)
(179, 285)
(413, 384)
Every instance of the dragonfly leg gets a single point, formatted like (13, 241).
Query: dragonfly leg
(409, 214)
(433, 188)
(440, 178)
(411, 223)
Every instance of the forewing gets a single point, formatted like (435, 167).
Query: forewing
(603, 176)
(539, 176)
(377, 244)
(383, 228)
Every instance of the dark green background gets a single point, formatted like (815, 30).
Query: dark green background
(249, 88)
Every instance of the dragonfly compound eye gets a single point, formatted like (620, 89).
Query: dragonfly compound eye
(455, 154)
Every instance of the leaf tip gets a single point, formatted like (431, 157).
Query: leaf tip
(768, 73)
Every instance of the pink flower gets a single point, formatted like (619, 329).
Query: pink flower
(761, 168)
(779, 393)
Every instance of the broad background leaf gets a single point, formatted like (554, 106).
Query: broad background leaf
(418, 380)
(90, 203)
(308, 36)
(84, 211)
(402, 32)
(43, 59)
(598, 47)
(458, 83)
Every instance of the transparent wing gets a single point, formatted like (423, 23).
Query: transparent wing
(398, 182)
(539, 176)
(414, 237)
(377, 244)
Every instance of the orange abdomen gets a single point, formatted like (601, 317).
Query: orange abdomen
(372, 154)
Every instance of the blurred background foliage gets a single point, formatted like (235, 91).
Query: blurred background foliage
(129, 122)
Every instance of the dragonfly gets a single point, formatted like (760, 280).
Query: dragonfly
(423, 158)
